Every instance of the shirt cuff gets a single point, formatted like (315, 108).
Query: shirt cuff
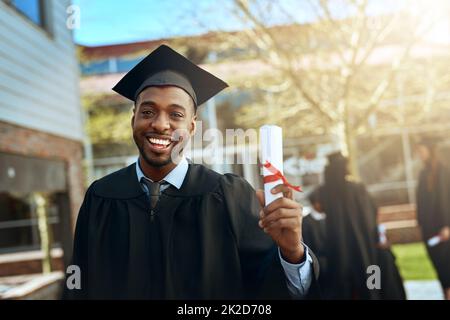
(299, 276)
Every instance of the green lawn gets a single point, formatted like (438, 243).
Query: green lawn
(413, 262)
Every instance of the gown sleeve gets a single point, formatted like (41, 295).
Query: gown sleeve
(262, 272)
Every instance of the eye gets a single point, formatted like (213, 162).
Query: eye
(148, 113)
(177, 115)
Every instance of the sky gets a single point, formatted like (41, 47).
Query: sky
(105, 22)
(116, 21)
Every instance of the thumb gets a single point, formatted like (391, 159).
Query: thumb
(260, 196)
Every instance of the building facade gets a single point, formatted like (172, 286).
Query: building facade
(41, 128)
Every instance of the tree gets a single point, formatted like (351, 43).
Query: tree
(330, 74)
(109, 125)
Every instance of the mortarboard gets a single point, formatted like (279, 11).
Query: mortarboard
(164, 66)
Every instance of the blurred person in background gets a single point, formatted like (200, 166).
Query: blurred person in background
(433, 209)
(352, 239)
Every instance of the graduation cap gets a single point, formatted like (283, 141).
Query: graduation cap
(166, 67)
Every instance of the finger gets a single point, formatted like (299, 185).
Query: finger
(294, 222)
(281, 188)
(261, 214)
(260, 196)
(281, 203)
(280, 214)
(285, 223)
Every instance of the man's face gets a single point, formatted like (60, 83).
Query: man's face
(159, 111)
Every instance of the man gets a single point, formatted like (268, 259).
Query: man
(164, 228)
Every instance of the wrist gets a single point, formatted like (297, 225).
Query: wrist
(294, 256)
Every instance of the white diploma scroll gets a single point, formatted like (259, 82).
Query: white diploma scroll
(433, 241)
(271, 150)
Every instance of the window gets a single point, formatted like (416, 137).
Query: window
(19, 223)
(29, 186)
(95, 67)
(32, 9)
(125, 65)
(111, 65)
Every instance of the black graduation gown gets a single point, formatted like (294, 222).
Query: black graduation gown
(352, 246)
(314, 234)
(391, 280)
(203, 243)
(433, 213)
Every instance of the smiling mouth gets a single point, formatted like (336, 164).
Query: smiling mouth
(159, 143)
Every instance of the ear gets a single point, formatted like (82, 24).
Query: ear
(132, 118)
(193, 124)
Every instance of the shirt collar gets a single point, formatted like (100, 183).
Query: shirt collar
(174, 177)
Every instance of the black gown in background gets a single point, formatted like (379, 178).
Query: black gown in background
(433, 213)
(352, 246)
(203, 243)
(314, 234)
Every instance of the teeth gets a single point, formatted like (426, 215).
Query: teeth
(163, 142)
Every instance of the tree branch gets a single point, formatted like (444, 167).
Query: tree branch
(276, 50)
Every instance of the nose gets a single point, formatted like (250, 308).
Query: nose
(160, 123)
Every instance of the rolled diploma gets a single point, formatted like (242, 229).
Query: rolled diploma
(271, 149)
(433, 241)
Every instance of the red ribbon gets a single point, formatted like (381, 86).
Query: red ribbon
(277, 175)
